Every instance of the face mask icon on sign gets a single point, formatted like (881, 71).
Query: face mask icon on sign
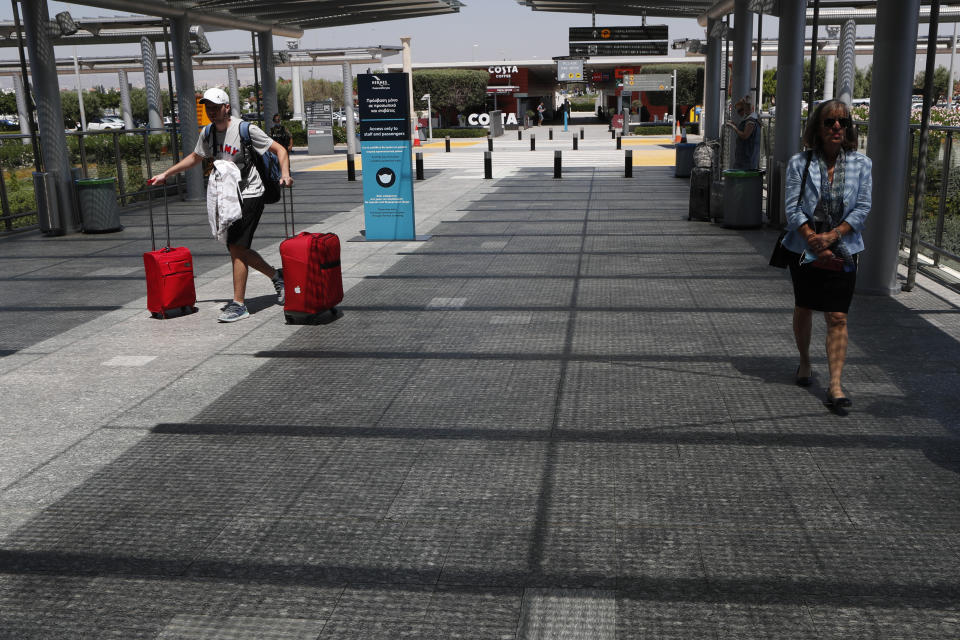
(386, 177)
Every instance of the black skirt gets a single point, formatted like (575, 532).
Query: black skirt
(821, 289)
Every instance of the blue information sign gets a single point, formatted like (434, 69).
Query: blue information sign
(386, 148)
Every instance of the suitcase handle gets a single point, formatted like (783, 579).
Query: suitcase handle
(166, 211)
(283, 194)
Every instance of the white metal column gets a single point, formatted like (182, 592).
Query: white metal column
(895, 54)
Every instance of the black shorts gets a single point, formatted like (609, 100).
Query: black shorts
(241, 232)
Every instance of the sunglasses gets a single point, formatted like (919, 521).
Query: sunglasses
(844, 122)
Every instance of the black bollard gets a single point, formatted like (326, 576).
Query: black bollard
(551, 132)
(575, 144)
(487, 165)
(447, 143)
(628, 163)
(613, 134)
(533, 142)
(419, 165)
(619, 143)
(489, 143)
(581, 133)
(519, 134)
(351, 169)
(557, 164)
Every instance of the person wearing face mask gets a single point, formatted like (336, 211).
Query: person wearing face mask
(828, 197)
(746, 151)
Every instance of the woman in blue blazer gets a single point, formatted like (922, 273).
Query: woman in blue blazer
(828, 196)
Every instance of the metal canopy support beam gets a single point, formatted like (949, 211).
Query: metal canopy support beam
(186, 103)
(233, 84)
(888, 141)
(152, 81)
(847, 58)
(711, 105)
(46, 87)
(125, 100)
(789, 93)
(268, 79)
(348, 108)
(743, 47)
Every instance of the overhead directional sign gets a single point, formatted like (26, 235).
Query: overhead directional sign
(570, 71)
(647, 82)
(618, 48)
(604, 34)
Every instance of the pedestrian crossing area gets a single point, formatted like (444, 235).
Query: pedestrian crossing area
(512, 154)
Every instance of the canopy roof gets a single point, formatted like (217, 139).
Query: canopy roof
(282, 17)
(666, 8)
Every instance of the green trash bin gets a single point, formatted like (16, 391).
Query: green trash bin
(742, 198)
(99, 212)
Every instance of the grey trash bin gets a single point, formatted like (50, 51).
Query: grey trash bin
(99, 212)
(684, 159)
(742, 198)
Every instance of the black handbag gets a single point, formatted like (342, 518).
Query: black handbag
(780, 257)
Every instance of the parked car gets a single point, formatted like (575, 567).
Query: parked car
(105, 123)
(340, 118)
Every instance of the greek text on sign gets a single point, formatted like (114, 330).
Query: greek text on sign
(570, 70)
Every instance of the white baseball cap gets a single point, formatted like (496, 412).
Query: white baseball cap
(215, 96)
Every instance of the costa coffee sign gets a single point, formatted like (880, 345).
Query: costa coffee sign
(504, 72)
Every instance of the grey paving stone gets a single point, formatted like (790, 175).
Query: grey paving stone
(568, 613)
(192, 627)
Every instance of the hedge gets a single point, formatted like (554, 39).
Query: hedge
(460, 133)
(653, 131)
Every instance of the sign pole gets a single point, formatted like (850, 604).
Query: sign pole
(676, 130)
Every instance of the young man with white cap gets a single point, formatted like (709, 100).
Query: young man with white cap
(224, 143)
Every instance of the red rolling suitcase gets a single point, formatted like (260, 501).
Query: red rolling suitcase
(313, 283)
(169, 273)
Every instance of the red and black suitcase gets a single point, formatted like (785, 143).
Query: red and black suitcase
(169, 273)
(312, 280)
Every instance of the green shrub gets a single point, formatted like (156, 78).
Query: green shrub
(653, 131)
(339, 134)
(583, 105)
(461, 133)
(295, 127)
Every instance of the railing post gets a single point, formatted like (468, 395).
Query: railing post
(446, 144)
(489, 143)
(550, 133)
(907, 190)
(944, 182)
(83, 154)
(146, 151)
(8, 221)
(121, 184)
(619, 142)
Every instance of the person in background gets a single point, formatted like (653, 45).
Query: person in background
(828, 196)
(746, 151)
(283, 136)
(540, 110)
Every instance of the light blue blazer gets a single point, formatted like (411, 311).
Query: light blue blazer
(857, 190)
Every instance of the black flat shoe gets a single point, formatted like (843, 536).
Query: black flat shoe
(839, 402)
(802, 381)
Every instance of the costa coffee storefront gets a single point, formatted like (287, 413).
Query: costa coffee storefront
(508, 83)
